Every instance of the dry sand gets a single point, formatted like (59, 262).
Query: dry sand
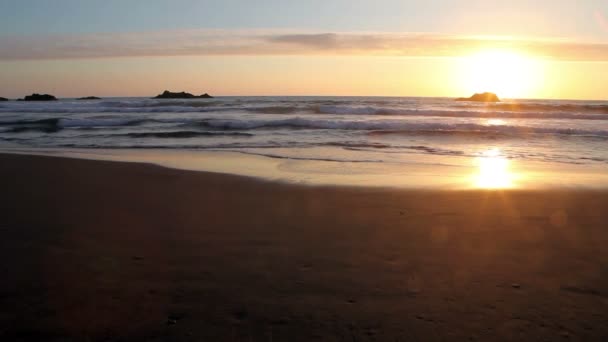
(102, 251)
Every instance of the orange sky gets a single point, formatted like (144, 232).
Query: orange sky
(318, 47)
(289, 75)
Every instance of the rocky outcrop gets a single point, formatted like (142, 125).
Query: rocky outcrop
(481, 97)
(89, 98)
(182, 95)
(39, 97)
(3, 99)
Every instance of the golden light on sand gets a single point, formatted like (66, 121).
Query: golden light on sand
(507, 73)
(493, 171)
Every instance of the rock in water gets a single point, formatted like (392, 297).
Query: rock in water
(181, 95)
(90, 98)
(481, 97)
(3, 99)
(39, 97)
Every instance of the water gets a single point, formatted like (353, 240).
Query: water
(342, 129)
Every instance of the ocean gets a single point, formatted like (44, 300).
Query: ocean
(348, 130)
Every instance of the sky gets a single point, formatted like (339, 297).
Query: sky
(76, 48)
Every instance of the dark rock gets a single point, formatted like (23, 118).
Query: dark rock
(182, 95)
(3, 99)
(90, 98)
(481, 97)
(39, 97)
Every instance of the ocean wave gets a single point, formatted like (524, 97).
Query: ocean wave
(125, 110)
(187, 146)
(56, 124)
(445, 108)
(539, 107)
(274, 109)
(394, 127)
(105, 122)
(324, 159)
(184, 134)
(155, 103)
(403, 149)
(354, 145)
(453, 113)
(376, 126)
(43, 125)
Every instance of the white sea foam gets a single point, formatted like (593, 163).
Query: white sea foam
(541, 110)
(394, 126)
(564, 131)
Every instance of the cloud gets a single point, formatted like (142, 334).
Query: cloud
(285, 42)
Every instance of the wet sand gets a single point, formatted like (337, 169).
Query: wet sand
(100, 251)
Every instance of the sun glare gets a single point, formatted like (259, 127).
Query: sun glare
(506, 73)
(493, 171)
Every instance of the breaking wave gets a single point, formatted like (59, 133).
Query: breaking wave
(541, 110)
(360, 128)
(380, 126)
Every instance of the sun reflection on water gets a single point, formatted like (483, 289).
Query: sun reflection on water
(493, 171)
(495, 122)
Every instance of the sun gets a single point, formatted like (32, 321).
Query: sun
(509, 74)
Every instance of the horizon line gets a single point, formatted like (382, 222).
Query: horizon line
(274, 95)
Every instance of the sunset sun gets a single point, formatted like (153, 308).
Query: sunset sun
(506, 73)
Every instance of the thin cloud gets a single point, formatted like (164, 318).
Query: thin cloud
(265, 42)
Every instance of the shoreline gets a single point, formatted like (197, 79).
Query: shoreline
(424, 173)
(108, 250)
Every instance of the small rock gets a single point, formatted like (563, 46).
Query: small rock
(39, 97)
(481, 97)
(181, 95)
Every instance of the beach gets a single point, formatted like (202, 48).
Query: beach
(108, 251)
(303, 171)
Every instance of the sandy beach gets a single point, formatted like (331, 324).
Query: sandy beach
(105, 251)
